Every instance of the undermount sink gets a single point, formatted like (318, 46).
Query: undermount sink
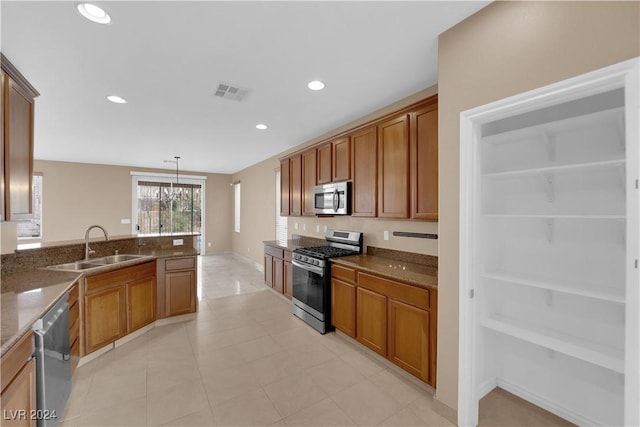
(114, 259)
(95, 263)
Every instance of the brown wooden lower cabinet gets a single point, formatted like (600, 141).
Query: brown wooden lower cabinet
(409, 338)
(177, 286)
(19, 398)
(394, 319)
(288, 277)
(18, 379)
(343, 306)
(141, 297)
(117, 303)
(180, 292)
(278, 275)
(371, 330)
(106, 317)
(74, 326)
(278, 270)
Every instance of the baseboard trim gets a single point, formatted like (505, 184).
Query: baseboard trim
(444, 410)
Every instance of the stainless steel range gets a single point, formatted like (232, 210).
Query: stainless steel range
(312, 276)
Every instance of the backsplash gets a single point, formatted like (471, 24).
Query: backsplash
(32, 259)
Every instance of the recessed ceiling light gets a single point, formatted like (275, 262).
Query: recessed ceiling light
(116, 99)
(94, 13)
(316, 85)
(261, 126)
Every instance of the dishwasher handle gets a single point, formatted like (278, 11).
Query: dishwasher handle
(42, 325)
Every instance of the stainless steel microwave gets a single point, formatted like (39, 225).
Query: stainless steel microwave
(332, 199)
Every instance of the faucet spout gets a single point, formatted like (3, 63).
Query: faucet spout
(87, 250)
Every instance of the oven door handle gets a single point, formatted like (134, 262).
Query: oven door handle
(312, 268)
(336, 200)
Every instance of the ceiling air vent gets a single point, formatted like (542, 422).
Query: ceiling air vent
(232, 92)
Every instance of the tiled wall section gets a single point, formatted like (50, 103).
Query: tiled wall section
(31, 259)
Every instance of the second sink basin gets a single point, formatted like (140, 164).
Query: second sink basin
(113, 259)
(95, 263)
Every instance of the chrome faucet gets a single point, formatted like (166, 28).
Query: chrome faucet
(87, 250)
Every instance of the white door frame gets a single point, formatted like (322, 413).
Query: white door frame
(625, 74)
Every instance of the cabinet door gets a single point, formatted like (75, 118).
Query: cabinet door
(324, 163)
(424, 163)
(295, 196)
(409, 338)
(341, 159)
(18, 135)
(364, 165)
(393, 168)
(105, 317)
(278, 274)
(268, 270)
(285, 182)
(141, 300)
(288, 279)
(371, 329)
(343, 306)
(19, 398)
(308, 181)
(180, 287)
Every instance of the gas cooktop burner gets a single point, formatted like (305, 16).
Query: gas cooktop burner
(325, 252)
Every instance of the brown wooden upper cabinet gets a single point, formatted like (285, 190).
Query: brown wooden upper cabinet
(308, 181)
(341, 150)
(364, 164)
(295, 179)
(285, 177)
(392, 164)
(325, 170)
(17, 100)
(424, 163)
(393, 168)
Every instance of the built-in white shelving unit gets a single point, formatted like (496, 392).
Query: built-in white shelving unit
(545, 253)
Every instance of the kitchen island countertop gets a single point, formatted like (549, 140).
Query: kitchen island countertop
(26, 296)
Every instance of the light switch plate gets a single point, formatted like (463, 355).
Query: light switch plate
(125, 221)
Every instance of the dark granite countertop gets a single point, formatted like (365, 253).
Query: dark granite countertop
(415, 274)
(26, 296)
(299, 242)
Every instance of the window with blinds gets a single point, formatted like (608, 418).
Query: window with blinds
(165, 207)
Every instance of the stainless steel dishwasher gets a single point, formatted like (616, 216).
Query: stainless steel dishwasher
(53, 363)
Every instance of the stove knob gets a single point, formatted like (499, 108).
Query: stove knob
(316, 262)
(306, 258)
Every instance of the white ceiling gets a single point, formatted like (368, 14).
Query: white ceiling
(167, 58)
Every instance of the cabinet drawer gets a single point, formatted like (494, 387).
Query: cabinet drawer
(287, 255)
(121, 276)
(273, 251)
(413, 295)
(343, 273)
(14, 359)
(173, 264)
(73, 295)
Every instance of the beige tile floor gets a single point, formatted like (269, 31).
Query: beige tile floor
(246, 361)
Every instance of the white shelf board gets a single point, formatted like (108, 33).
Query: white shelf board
(560, 168)
(597, 354)
(556, 216)
(585, 121)
(576, 289)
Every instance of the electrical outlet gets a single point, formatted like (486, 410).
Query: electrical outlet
(125, 221)
(325, 228)
(317, 228)
(209, 244)
(386, 235)
(178, 242)
(295, 225)
(304, 227)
